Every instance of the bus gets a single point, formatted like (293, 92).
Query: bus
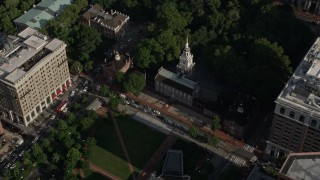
(62, 106)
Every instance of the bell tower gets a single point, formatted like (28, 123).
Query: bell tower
(186, 64)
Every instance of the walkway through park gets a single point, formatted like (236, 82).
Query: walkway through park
(103, 172)
(124, 148)
(156, 157)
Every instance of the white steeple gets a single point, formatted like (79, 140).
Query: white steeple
(186, 64)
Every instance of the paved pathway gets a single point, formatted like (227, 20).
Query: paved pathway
(156, 157)
(103, 172)
(124, 148)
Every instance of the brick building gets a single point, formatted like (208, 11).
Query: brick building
(111, 24)
(296, 121)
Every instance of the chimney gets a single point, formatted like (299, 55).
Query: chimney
(1, 129)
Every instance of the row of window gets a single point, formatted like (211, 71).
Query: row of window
(301, 117)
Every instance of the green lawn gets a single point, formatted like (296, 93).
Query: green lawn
(90, 175)
(140, 140)
(108, 154)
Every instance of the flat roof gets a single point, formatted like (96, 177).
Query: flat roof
(111, 20)
(302, 91)
(54, 44)
(173, 163)
(42, 12)
(302, 166)
(176, 80)
(20, 55)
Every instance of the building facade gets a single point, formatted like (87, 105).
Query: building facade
(312, 6)
(111, 24)
(177, 87)
(120, 63)
(186, 64)
(33, 72)
(296, 121)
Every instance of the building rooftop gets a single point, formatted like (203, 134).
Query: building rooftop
(111, 20)
(176, 80)
(173, 164)
(19, 54)
(302, 166)
(302, 91)
(42, 12)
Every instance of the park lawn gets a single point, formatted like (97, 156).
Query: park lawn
(108, 154)
(141, 141)
(90, 175)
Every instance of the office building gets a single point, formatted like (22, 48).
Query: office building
(111, 24)
(33, 72)
(296, 121)
(41, 13)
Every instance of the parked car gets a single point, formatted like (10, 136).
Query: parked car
(72, 93)
(53, 117)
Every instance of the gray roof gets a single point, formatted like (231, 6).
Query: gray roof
(42, 12)
(302, 166)
(173, 164)
(176, 80)
(19, 54)
(96, 104)
(302, 91)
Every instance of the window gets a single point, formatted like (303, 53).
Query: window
(313, 123)
(291, 115)
(301, 118)
(282, 110)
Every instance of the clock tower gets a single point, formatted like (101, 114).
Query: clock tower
(186, 64)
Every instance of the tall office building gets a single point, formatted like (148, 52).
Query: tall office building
(33, 72)
(296, 122)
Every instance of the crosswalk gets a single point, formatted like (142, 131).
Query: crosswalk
(236, 160)
(248, 148)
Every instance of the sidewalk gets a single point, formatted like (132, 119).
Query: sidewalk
(190, 118)
(157, 156)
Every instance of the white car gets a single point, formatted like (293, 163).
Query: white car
(85, 89)
(72, 93)
(53, 117)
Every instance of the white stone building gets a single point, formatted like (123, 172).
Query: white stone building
(33, 72)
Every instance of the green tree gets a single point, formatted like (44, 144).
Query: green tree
(76, 67)
(86, 40)
(216, 123)
(135, 83)
(194, 131)
(270, 69)
(72, 157)
(55, 158)
(105, 91)
(149, 52)
(7, 175)
(86, 123)
(88, 66)
(114, 101)
(213, 140)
